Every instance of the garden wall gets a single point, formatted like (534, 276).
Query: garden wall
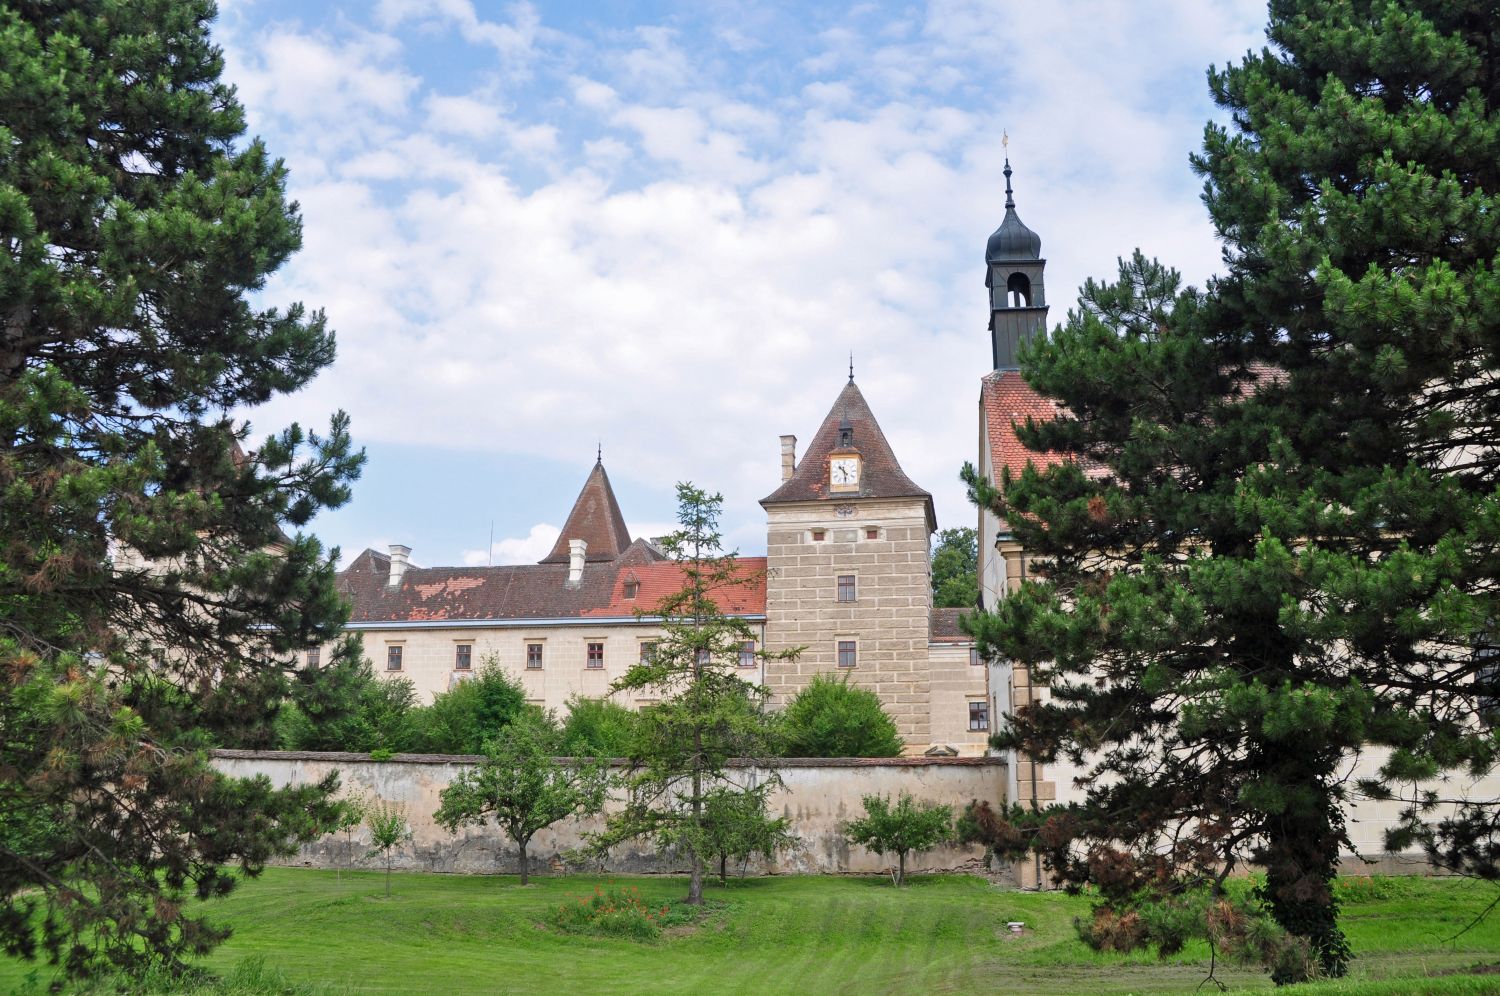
(819, 795)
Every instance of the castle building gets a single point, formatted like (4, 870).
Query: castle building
(847, 579)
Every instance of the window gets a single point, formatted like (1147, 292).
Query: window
(648, 651)
(462, 656)
(818, 534)
(314, 656)
(596, 655)
(979, 715)
(872, 534)
(632, 588)
(534, 656)
(846, 587)
(393, 657)
(974, 656)
(747, 653)
(847, 656)
(703, 657)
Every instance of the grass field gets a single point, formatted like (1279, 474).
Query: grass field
(464, 934)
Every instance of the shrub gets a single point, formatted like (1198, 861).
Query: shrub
(612, 912)
(460, 720)
(831, 718)
(598, 728)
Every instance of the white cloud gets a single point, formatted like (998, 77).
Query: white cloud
(527, 549)
(685, 269)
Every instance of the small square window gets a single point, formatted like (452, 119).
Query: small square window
(393, 657)
(314, 656)
(703, 657)
(847, 655)
(632, 589)
(534, 656)
(974, 656)
(846, 587)
(596, 655)
(979, 715)
(462, 657)
(648, 651)
(818, 534)
(872, 534)
(747, 653)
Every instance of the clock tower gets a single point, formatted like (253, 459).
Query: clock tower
(848, 538)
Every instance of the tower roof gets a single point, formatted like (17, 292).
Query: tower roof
(881, 475)
(1012, 240)
(595, 519)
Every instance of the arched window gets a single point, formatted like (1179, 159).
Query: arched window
(1018, 289)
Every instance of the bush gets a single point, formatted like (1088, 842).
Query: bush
(831, 718)
(598, 728)
(461, 719)
(381, 714)
(612, 912)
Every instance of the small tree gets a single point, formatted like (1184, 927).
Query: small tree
(351, 813)
(902, 828)
(738, 826)
(389, 829)
(523, 786)
(708, 714)
(831, 718)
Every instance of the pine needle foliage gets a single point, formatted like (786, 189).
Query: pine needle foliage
(708, 713)
(1276, 538)
(151, 601)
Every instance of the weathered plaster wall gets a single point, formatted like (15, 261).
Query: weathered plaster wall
(819, 795)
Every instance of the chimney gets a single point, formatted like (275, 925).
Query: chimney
(576, 550)
(399, 563)
(788, 457)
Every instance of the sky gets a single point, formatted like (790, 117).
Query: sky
(539, 229)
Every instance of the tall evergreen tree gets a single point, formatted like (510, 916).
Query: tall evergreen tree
(1277, 540)
(147, 589)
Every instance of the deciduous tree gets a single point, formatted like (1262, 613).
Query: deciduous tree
(523, 786)
(900, 829)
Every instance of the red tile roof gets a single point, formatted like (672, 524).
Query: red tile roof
(944, 626)
(656, 581)
(526, 591)
(1007, 401)
(595, 519)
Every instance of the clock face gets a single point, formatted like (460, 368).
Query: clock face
(843, 472)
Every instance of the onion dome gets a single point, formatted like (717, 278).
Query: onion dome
(1012, 240)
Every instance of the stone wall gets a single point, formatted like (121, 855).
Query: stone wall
(819, 796)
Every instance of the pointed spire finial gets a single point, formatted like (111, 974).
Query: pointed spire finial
(599, 452)
(851, 366)
(1010, 199)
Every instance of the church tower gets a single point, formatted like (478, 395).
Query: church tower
(1018, 301)
(849, 577)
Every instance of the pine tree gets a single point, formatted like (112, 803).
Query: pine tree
(150, 602)
(707, 715)
(1276, 541)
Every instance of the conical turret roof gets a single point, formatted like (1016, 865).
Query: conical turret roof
(596, 519)
(881, 475)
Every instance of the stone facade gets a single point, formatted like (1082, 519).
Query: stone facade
(888, 618)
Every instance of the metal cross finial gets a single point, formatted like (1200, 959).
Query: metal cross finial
(851, 366)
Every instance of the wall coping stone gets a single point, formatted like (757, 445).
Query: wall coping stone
(741, 762)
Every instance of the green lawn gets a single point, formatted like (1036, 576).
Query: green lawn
(807, 935)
